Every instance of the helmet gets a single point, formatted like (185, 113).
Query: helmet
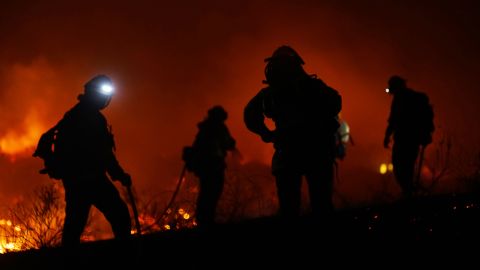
(99, 91)
(217, 113)
(101, 84)
(397, 81)
(285, 53)
(284, 65)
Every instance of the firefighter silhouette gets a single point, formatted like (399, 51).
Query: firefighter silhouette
(304, 110)
(84, 150)
(411, 124)
(206, 158)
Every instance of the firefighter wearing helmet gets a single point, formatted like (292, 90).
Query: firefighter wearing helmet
(411, 125)
(304, 110)
(85, 149)
(210, 148)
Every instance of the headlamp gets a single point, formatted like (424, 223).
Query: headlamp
(106, 89)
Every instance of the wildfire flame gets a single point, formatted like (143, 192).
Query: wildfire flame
(7, 242)
(22, 139)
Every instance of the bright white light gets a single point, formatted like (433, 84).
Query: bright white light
(387, 90)
(106, 89)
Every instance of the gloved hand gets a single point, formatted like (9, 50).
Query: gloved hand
(125, 179)
(268, 137)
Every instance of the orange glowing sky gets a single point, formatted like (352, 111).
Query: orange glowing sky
(172, 61)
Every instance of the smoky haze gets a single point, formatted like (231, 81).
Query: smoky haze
(171, 61)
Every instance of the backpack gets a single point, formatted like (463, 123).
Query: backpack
(425, 117)
(46, 151)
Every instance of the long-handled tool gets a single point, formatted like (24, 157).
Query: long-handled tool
(177, 189)
(134, 208)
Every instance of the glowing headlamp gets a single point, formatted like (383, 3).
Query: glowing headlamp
(387, 90)
(106, 89)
